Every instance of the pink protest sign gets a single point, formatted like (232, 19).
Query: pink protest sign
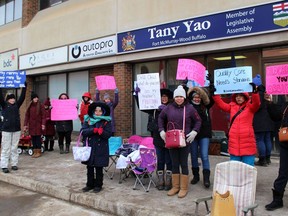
(63, 109)
(277, 79)
(191, 69)
(105, 82)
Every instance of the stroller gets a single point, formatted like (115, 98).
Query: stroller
(25, 144)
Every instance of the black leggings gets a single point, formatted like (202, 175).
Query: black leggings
(36, 141)
(93, 181)
(66, 135)
(179, 157)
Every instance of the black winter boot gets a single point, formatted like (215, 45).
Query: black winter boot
(261, 162)
(168, 180)
(46, 145)
(61, 147)
(67, 149)
(277, 201)
(160, 185)
(268, 160)
(206, 178)
(51, 145)
(196, 176)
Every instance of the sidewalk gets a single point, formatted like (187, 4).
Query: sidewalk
(61, 177)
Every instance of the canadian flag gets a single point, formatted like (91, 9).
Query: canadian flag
(161, 74)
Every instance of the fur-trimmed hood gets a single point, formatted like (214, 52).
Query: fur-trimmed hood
(201, 92)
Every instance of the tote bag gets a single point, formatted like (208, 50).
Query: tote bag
(81, 153)
(223, 204)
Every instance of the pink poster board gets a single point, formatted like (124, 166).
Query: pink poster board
(191, 69)
(105, 82)
(277, 79)
(64, 109)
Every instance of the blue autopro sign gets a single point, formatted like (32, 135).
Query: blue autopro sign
(237, 23)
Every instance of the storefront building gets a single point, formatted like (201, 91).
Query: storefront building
(63, 45)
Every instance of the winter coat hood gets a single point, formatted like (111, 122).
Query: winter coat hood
(201, 92)
(245, 94)
(104, 107)
(86, 94)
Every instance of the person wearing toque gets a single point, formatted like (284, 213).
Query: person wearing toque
(11, 129)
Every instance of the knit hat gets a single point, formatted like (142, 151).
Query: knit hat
(104, 107)
(47, 102)
(166, 92)
(106, 96)
(179, 92)
(34, 95)
(257, 80)
(10, 96)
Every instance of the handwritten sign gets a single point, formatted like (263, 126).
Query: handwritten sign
(63, 109)
(105, 82)
(277, 79)
(191, 69)
(233, 80)
(192, 83)
(149, 95)
(12, 79)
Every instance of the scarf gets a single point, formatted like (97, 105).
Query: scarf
(95, 119)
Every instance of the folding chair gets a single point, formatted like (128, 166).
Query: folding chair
(135, 139)
(144, 167)
(240, 179)
(148, 142)
(114, 144)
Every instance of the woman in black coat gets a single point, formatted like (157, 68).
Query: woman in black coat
(97, 128)
(279, 113)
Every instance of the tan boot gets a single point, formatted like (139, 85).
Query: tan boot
(37, 153)
(175, 185)
(184, 180)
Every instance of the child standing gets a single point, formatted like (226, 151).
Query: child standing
(98, 129)
(49, 131)
(83, 109)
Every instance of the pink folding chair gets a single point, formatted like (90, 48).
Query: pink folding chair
(148, 142)
(135, 139)
(145, 166)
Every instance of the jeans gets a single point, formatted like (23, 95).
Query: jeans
(203, 144)
(248, 159)
(10, 142)
(163, 158)
(281, 181)
(264, 144)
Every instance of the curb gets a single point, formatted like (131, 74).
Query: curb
(89, 200)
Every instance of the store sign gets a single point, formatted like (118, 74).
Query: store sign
(93, 49)
(237, 23)
(44, 58)
(9, 60)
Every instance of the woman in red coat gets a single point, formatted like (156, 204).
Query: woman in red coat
(242, 143)
(35, 123)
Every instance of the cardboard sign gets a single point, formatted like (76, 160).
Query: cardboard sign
(12, 79)
(105, 82)
(191, 69)
(277, 79)
(233, 80)
(149, 95)
(64, 109)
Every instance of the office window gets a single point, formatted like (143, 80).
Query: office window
(49, 3)
(10, 10)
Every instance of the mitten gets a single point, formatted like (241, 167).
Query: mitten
(163, 135)
(116, 91)
(100, 130)
(254, 88)
(95, 130)
(25, 84)
(191, 136)
(212, 89)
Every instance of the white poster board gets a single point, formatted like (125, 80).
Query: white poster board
(233, 80)
(149, 95)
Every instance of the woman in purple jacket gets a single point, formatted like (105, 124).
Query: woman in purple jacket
(174, 113)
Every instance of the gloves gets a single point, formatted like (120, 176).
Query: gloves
(254, 88)
(163, 135)
(161, 107)
(212, 89)
(25, 84)
(100, 130)
(191, 136)
(96, 90)
(136, 90)
(116, 91)
(95, 130)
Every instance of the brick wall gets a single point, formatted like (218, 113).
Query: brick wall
(29, 10)
(124, 110)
